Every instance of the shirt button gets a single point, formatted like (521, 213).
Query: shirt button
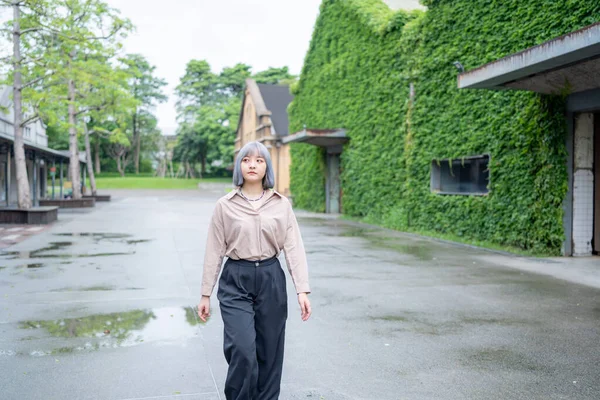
(256, 263)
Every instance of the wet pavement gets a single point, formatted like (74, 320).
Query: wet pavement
(11, 234)
(102, 306)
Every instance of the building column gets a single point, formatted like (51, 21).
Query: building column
(567, 248)
(6, 171)
(583, 185)
(332, 182)
(53, 174)
(61, 179)
(35, 179)
(8, 174)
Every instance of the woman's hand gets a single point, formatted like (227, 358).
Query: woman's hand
(304, 306)
(204, 308)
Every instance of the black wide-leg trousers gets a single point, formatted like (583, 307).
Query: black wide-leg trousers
(253, 301)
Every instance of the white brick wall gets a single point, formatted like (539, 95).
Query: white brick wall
(583, 212)
(583, 185)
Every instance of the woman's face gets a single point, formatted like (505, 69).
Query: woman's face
(254, 168)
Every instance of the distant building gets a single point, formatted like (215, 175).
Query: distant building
(264, 118)
(40, 158)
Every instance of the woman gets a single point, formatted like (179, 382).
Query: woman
(251, 225)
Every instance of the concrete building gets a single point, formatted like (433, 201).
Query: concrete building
(40, 158)
(570, 65)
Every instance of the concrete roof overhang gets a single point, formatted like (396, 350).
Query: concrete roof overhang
(564, 65)
(51, 153)
(318, 137)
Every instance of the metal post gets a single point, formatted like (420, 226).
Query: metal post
(61, 179)
(8, 177)
(53, 173)
(35, 179)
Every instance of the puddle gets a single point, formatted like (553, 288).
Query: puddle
(356, 232)
(95, 332)
(86, 289)
(97, 236)
(422, 324)
(421, 250)
(138, 241)
(60, 249)
(98, 288)
(32, 265)
(502, 358)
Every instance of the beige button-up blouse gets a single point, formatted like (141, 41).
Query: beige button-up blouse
(239, 231)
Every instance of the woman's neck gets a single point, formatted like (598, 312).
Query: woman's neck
(252, 189)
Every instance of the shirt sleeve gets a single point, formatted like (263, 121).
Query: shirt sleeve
(295, 256)
(215, 251)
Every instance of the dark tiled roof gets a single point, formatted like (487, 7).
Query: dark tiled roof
(277, 98)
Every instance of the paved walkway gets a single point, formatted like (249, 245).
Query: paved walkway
(102, 306)
(11, 234)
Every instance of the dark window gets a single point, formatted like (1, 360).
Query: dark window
(469, 175)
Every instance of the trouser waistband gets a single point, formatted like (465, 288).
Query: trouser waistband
(249, 263)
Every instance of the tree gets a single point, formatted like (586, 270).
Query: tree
(107, 98)
(147, 90)
(208, 110)
(103, 102)
(120, 146)
(28, 19)
(275, 76)
(87, 33)
(196, 88)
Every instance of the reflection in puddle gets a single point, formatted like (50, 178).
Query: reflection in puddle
(356, 232)
(32, 266)
(138, 241)
(422, 250)
(60, 250)
(86, 289)
(163, 325)
(97, 236)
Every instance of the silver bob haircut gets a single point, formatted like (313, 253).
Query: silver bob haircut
(254, 149)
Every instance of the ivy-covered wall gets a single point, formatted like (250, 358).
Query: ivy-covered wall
(357, 72)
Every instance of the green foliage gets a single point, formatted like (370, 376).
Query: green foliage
(209, 107)
(357, 73)
(275, 76)
(120, 325)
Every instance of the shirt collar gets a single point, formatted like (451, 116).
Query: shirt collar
(235, 191)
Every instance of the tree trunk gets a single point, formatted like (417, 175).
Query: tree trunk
(97, 155)
(119, 168)
(73, 145)
(88, 157)
(23, 193)
(189, 171)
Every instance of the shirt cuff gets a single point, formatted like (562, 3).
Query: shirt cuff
(302, 288)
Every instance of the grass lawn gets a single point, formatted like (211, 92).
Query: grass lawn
(134, 182)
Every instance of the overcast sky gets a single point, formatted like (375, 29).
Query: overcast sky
(261, 33)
